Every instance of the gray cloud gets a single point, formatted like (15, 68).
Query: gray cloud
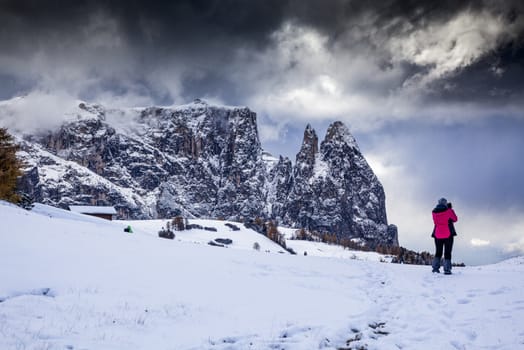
(188, 48)
(470, 162)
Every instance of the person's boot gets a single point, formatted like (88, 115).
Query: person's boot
(447, 266)
(436, 265)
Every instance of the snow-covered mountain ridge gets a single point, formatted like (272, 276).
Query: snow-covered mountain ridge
(75, 282)
(205, 161)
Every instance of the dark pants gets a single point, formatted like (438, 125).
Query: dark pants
(445, 244)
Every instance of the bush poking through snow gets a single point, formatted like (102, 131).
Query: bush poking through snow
(268, 229)
(232, 227)
(224, 241)
(194, 227)
(26, 201)
(166, 232)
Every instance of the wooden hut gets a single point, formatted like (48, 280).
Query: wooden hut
(107, 213)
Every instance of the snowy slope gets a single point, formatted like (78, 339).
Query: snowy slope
(243, 239)
(52, 172)
(320, 249)
(67, 283)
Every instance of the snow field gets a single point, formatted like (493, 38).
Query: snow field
(242, 239)
(68, 283)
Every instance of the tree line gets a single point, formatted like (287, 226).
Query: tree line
(400, 255)
(10, 167)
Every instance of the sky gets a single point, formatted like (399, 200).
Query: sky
(432, 91)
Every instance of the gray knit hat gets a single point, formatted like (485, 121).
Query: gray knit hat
(443, 201)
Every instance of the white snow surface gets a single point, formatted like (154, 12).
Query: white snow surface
(70, 283)
(90, 209)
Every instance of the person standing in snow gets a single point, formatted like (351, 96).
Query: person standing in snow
(443, 217)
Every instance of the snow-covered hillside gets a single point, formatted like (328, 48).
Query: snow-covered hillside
(73, 282)
(201, 160)
(245, 239)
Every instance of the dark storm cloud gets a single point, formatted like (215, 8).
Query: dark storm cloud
(496, 79)
(202, 37)
(171, 24)
(195, 37)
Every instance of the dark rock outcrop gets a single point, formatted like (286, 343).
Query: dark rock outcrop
(200, 160)
(333, 189)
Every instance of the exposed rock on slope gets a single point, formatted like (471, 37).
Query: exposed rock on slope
(200, 160)
(334, 189)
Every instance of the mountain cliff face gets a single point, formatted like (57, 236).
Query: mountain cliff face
(200, 160)
(334, 189)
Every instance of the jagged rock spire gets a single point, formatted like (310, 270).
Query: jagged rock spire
(334, 190)
(305, 160)
(338, 132)
(309, 148)
(202, 160)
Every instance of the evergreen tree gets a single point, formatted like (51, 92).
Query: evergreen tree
(10, 167)
(178, 224)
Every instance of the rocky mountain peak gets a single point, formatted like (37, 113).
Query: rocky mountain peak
(94, 109)
(309, 148)
(204, 160)
(334, 190)
(338, 132)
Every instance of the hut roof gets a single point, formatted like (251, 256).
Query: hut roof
(87, 209)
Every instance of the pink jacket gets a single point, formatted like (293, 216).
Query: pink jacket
(441, 220)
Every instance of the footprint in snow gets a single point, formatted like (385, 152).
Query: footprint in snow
(499, 291)
(519, 305)
(449, 314)
(475, 291)
(457, 345)
(471, 335)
